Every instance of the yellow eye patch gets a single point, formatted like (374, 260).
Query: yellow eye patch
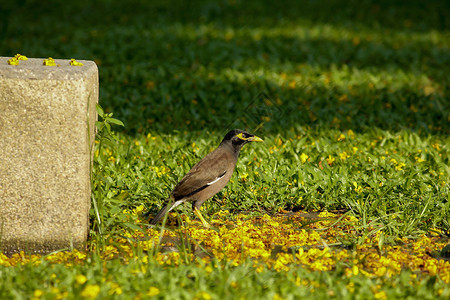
(241, 136)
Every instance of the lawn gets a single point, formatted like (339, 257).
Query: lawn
(348, 197)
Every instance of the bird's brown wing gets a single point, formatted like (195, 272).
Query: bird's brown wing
(211, 168)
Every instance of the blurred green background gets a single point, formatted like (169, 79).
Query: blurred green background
(213, 65)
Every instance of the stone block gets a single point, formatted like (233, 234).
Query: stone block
(47, 131)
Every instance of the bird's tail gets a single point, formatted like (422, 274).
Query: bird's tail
(164, 211)
(161, 214)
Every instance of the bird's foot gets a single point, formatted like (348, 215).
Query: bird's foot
(199, 215)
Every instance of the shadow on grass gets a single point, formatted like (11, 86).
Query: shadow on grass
(416, 15)
(166, 66)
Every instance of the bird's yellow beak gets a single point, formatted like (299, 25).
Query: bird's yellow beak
(250, 139)
(255, 139)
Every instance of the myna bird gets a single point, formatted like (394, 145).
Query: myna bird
(208, 176)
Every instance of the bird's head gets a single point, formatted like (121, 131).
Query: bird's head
(238, 138)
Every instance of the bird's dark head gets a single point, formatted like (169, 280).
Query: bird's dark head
(238, 138)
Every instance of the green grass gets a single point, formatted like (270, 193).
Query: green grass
(302, 73)
(406, 200)
(185, 282)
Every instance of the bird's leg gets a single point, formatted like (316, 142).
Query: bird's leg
(199, 215)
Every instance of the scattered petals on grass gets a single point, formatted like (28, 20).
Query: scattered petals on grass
(90, 291)
(80, 279)
(38, 293)
(153, 291)
(115, 289)
(304, 157)
(330, 160)
(280, 243)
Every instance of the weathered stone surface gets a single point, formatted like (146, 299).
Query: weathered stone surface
(47, 121)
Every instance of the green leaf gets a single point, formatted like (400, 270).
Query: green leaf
(115, 121)
(446, 251)
(133, 226)
(99, 125)
(99, 110)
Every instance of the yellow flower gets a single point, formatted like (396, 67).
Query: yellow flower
(13, 61)
(90, 291)
(259, 268)
(344, 155)
(228, 36)
(80, 279)
(244, 176)
(330, 160)
(413, 108)
(428, 90)
(341, 137)
(153, 291)
(418, 159)
(115, 289)
(277, 297)
(380, 271)
(358, 188)
(59, 294)
(400, 166)
(205, 296)
(20, 57)
(73, 62)
(139, 209)
(49, 62)
(380, 295)
(4, 260)
(436, 146)
(150, 85)
(343, 98)
(350, 133)
(350, 287)
(304, 157)
(38, 293)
